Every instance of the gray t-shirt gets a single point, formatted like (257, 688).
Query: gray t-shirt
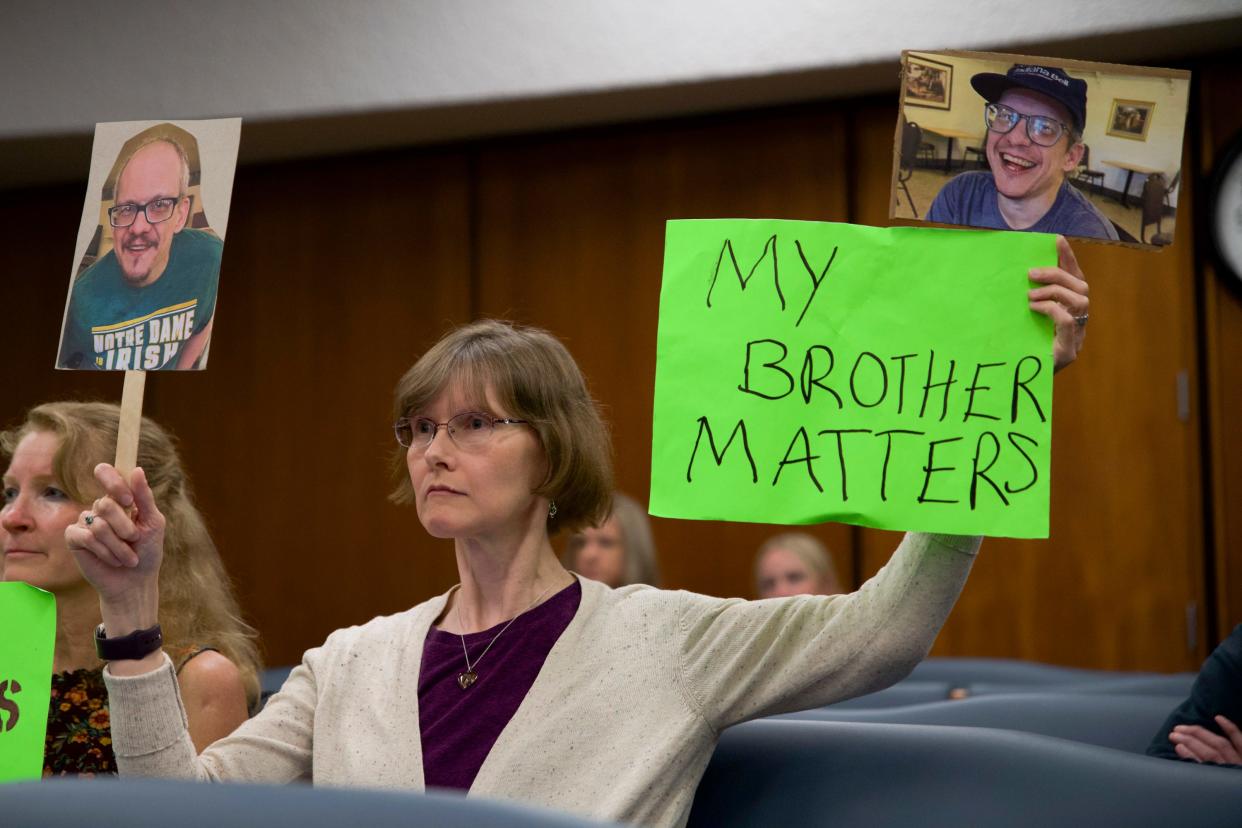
(971, 199)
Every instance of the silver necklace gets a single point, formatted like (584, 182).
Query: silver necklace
(464, 680)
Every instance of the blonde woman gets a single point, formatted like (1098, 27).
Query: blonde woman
(794, 563)
(48, 483)
(618, 552)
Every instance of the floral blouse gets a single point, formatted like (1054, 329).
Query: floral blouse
(79, 732)
(79, 735)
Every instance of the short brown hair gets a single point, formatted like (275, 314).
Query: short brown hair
(534, 377)
(197, 605)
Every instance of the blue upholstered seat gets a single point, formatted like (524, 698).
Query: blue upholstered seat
(781, 772)
(901, 694)
(270, 682)
(1124, 722)
(964, 671)
(157, 803)
(978, 676)
(1173, 685)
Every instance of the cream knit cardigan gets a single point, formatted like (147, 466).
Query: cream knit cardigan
(623, 718)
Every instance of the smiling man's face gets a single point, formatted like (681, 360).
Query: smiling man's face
(1021, 168)
(143, 247)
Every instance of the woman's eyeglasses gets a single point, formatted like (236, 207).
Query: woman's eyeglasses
(470, 429)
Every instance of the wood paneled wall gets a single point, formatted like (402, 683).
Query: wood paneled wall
(338, 273)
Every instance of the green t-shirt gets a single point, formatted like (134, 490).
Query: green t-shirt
(112, 326)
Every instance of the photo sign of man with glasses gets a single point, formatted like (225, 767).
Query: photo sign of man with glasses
(1035, 116)
(148, 302)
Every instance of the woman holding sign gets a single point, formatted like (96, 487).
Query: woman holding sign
(47, 484)
(524, 681)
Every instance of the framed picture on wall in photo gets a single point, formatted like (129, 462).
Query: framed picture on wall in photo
(1130, 119)
(927, 83)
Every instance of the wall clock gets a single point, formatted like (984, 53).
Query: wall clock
(1226, 213)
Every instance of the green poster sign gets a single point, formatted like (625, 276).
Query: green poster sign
(27, 639)
(893, 378)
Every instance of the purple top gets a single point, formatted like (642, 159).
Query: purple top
(460, 726)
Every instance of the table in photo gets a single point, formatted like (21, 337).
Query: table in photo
(950, 135)
(1130, 169)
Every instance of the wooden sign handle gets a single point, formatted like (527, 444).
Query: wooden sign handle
(131, 421)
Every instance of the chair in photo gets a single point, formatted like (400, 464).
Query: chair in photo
(1152, 205)
(979, 154)
(911, 139)
(92, 250)
(1173, 182)
(1085, 173)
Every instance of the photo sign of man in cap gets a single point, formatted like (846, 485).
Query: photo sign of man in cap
(1035, 116)
(147, 301)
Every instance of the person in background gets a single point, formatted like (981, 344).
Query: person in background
(48, 483)
(794, 563)
(1206, 727)
(620, 551)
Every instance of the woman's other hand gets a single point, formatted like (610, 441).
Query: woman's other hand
(1062, 298)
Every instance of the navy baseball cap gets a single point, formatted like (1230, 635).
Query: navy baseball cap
(1051, 81)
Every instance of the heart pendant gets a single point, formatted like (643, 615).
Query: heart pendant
(467, 678)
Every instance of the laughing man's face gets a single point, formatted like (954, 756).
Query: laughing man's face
(1021, 168)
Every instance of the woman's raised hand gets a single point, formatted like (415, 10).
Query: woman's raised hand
(1063, 298)
(119, 544)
